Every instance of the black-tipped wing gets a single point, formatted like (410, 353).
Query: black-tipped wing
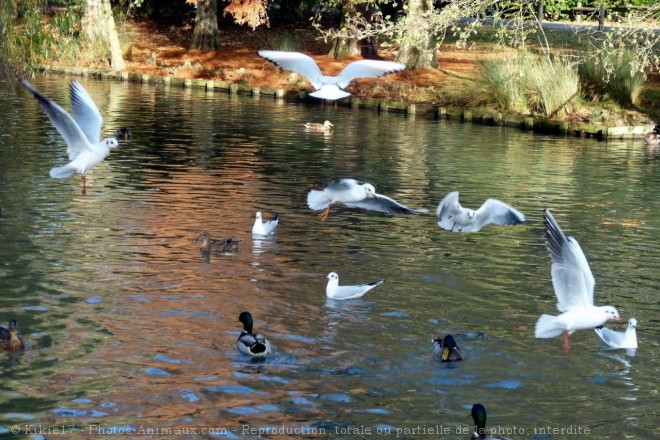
(85, 113)
(384, 204)
(75, 138)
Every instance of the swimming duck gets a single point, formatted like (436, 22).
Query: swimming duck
(479, 417)
(123, 133)
(9, 339)
(653, 136)
(208, 245)
(252, 344)
(446, 349)
(315, 126)
(264, 228)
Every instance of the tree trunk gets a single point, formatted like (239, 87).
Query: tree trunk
(418, 51)
(206, 36)
(98, 25)
(346, 45)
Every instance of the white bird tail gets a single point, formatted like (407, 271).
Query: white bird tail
(62, 172)
(546, 327)
(317, 200)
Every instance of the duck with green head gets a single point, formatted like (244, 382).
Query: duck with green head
(9, 339)
(252, 344)
(479, 417)
(446, 349)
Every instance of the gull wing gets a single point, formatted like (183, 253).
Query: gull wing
(449, 206)
(295, 62)
(85, 113)
(610, 337)
(74, 137)
(571, 275)
(367, 69)
(498, 212)
(384, 204)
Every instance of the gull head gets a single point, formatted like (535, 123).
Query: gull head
(632, 323)
(110, 143)
(369, 190)
(333, 276)
(258, 216)
(611, 313)
(471, 214)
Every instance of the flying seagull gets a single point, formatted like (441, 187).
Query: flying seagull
(329, 87)
(350, 193)
(81, 132)
(574, 287)
(334, 291)
(453, 217)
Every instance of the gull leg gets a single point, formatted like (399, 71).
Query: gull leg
(566, 336)
(84, 184)
(324, 214)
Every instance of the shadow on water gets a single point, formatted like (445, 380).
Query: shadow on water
(129, 326)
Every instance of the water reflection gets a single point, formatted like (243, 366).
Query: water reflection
(124, 317)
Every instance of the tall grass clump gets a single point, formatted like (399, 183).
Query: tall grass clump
(499, 83)
(528, 83)
(611, 75)
(285, 42)
(551, 84)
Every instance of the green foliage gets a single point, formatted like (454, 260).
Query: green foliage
(27, 37)
(528, 83)
(611, 74)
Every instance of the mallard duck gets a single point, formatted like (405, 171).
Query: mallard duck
(208, 245)
(479, 417)
(653, 136)
(9, 339)
(315, 126)
(267, 228)
(249, 343)
(81, 132)
(329, 87)
(446, 349)
(124, 134)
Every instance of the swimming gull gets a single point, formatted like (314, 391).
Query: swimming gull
(264, 228)
(334, 291)
(614, 339)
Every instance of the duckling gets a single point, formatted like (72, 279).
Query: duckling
(9, 339)
(479, 417)
(446, 349)
(123, 134)
(315, 126)
(249, 343)
(653, 136)
(208, 245)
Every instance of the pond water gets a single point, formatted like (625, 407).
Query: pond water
(129, 328)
